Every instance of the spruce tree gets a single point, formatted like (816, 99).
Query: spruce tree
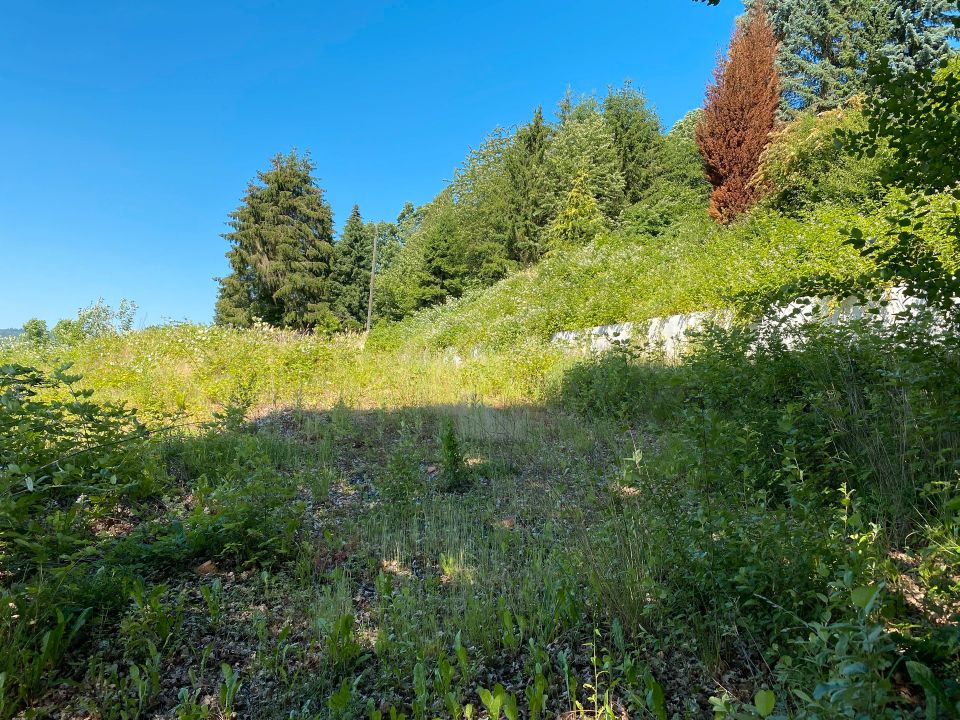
(637, 138)
(529, 202)
(583, 144)
(281, 249)
(350, 277)
(825, 47)
(739, 115)
(444, 269)
(579, 220)
(920, 34)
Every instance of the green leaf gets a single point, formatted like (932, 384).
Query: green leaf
(863, 596)
(510, 706)
(656, 702)
(854, 668)
(764, 701)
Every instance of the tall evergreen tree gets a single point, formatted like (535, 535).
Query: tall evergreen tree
(739, 115)
(350, 276)
(529, 202)
(281, 249)
(444, 267)
(680, 186)
(920, 34)
(583, 144)
(637, 138)
(825, 47)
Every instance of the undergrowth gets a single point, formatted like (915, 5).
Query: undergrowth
(766, 528)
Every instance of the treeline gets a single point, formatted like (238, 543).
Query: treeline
(286, 267)
(600, 165)
(523, 193)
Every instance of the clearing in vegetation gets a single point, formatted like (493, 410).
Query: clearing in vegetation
(365, 534)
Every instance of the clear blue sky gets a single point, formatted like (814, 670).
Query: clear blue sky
(129, 130)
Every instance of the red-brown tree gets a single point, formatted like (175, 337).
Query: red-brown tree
(739, 114)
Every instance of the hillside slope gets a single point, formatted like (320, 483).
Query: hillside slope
(694, 265)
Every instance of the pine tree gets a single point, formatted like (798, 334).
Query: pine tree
(529, 202)
(920, 34)
(637, 138)
(281, 248)
(350, 277)
(739, 114)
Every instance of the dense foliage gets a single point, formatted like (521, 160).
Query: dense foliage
(738, 116)
(826, 47)
(281, 252)
(350, 274)
(915, 121)
(794, 450)
(527, 191)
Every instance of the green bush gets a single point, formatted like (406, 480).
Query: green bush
(808, 163)
(785, 466)
(68, 465)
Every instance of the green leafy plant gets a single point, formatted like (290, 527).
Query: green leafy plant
(229, 687)
(453, 468)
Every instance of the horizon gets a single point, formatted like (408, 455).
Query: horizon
(133, 132)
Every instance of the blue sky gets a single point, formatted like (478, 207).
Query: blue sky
(128, 131)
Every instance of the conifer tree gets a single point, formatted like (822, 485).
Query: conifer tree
(637, 138)
(281, 249)
(579, 220)
(920, 34)
(739, 114)
(444, 268)
(529, 202)
(350, 276)
(583, 145)
(825, 47)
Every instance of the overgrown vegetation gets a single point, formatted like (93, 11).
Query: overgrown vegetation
(454, 518)
(771, 524)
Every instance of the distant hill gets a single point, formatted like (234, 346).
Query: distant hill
(10, 332)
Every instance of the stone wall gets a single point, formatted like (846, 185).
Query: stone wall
(671, 333)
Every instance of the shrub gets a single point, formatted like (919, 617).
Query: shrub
(807, 163)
